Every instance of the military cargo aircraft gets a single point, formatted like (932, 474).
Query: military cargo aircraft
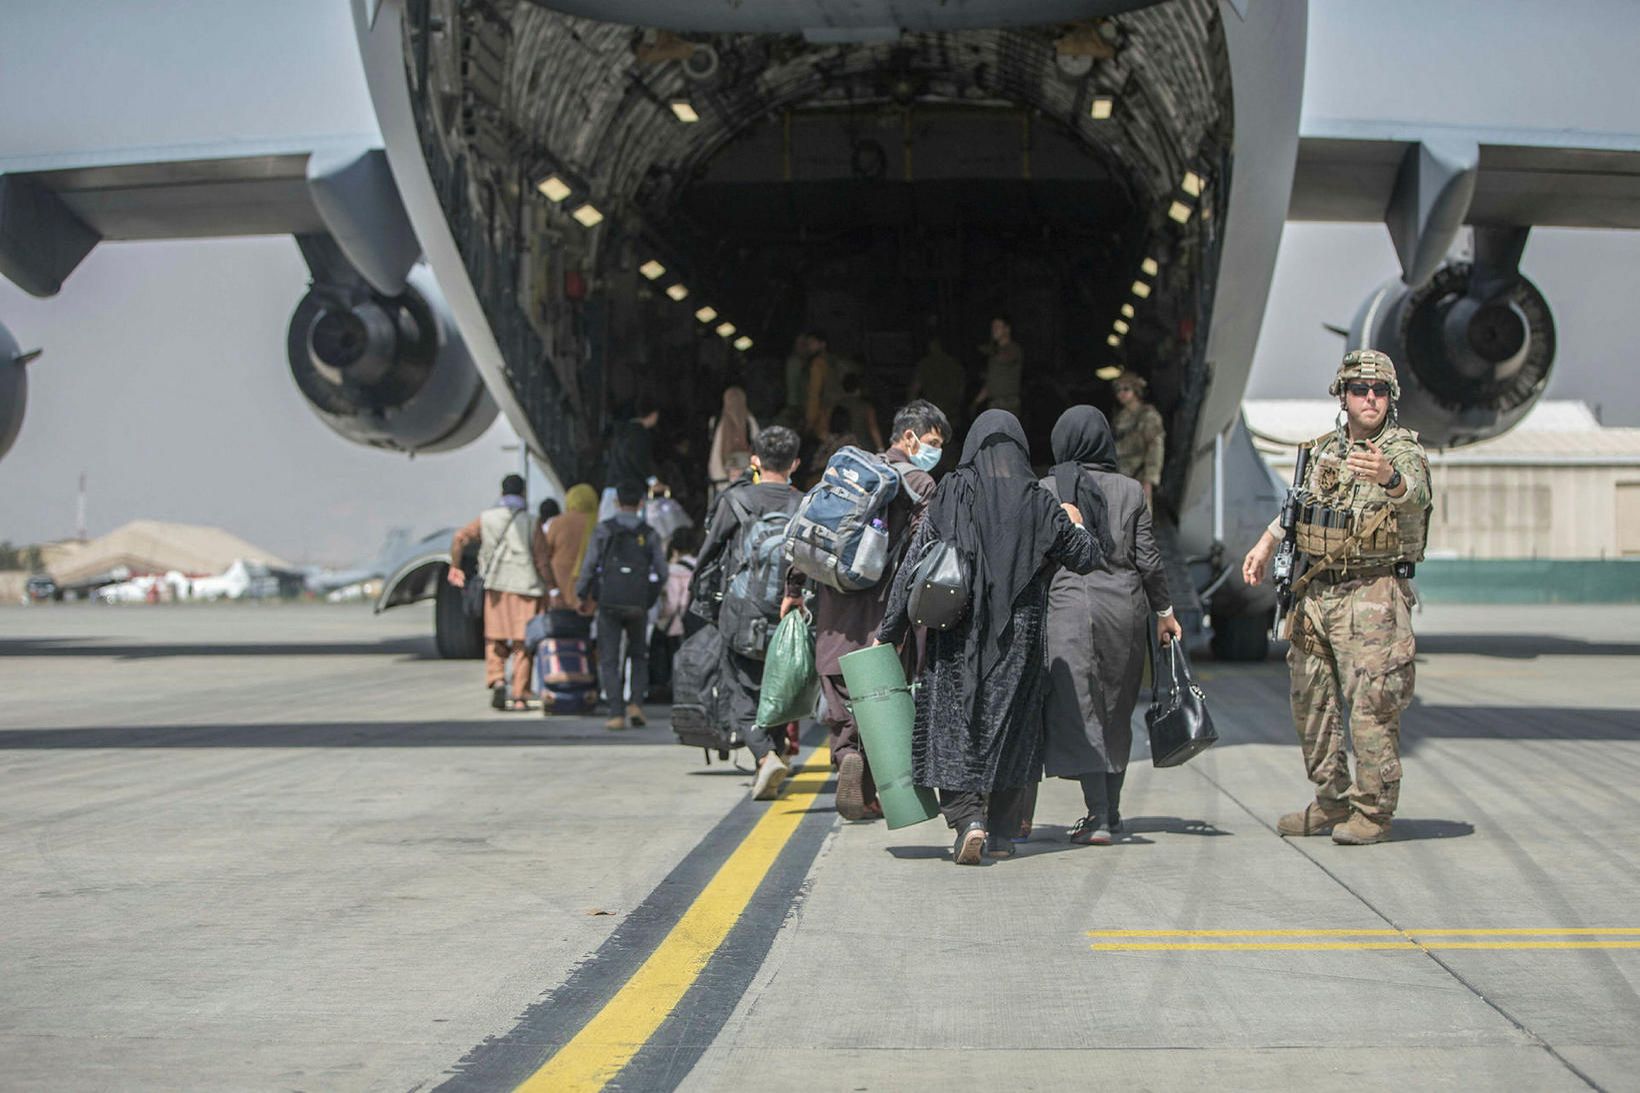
(577, 200)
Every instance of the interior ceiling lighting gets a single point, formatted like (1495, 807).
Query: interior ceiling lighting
(651, 269)
(1121, 326)
(554, 189)
(1179, 211)
(1127, 311)
(725, 329)
(706, 314)
(1109, 372)
(588, 216)
(1101, 107)
(1192, 184)
(743, 343)
(1114, 340)
(684, 112)
(1149, 267)
(1141, 290)
(677, 292)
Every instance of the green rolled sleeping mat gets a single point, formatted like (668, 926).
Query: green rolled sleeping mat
(883, 709)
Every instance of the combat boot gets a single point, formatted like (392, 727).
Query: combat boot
(1314, 820)
(1361, 830)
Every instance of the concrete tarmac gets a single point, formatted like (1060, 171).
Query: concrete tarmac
(282, 847)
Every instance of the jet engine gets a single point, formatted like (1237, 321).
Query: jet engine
(1472, 349)
(388, 371)
(13, 388)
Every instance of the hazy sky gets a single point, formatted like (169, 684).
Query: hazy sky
(165, 379)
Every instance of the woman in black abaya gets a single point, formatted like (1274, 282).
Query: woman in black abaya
(1099, 623)
(979, 728)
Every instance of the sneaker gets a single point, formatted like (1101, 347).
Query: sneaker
(615, 724)
(1314, 820)
(771, 771)
(1361, 830)
(1090, 831)
(970, 844)
(1115, 824)
(851, 775)
(1000, 846)
(498, 697)
(634, 714)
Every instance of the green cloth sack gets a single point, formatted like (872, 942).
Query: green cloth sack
(791, 686)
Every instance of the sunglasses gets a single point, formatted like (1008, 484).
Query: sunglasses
(1360, 390)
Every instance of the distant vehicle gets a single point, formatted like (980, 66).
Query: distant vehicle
(39, 588)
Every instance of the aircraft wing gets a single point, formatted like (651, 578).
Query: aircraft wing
(55, 209)
(1425, 181)
(1347, 171)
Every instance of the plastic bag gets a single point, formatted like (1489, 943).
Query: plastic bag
(790, 684)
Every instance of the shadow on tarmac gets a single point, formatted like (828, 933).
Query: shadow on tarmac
(1522, 646)
(504, 731)
(408, 648)
(1403, 831)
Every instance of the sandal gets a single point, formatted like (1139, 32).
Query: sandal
(1090, 831)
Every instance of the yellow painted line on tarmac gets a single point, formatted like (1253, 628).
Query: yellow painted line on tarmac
(1525, 938)
(610, 1040)
(1518, 931)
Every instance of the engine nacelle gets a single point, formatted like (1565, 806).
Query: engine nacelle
(13, 390)
(388, 372)
(1472, 355)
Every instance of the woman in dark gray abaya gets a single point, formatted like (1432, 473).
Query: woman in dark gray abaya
(1099, 623)
(978, 734)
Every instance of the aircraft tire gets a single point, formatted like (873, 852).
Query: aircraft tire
(1241, 638)
(457, 636)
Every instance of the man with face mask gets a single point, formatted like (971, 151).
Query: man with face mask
(1361, 530)
(846, 621)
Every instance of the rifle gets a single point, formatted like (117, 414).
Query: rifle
(1288, 562)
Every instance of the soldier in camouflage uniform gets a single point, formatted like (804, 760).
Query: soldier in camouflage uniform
(1352, 643)
(1139, 433)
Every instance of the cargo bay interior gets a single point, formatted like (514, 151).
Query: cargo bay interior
(647, 211)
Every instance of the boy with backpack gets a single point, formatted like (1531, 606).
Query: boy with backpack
(743, 563)
(624, 573)
(850, 536)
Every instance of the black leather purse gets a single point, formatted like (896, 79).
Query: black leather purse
(939, 588)
(1180, 726)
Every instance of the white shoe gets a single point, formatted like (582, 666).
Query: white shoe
(770, 773)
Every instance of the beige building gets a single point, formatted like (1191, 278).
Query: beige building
(1557, 486)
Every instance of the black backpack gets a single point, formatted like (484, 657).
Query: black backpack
(624, 567)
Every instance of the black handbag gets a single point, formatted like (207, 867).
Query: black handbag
(939, 588)
(1180, 726)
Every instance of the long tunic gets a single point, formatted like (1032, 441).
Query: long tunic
(1098, 628)
(999, 745)
(506, 614)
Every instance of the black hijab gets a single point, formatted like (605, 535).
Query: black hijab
(1082, 437)
(1005, 524)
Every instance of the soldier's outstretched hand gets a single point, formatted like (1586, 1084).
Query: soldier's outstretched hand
(1370, 463)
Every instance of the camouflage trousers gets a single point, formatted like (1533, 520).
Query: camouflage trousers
(1352, 647)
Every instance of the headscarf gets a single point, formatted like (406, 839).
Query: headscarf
(992, 509)
(1082, 437)
(734, 425)
(582, 498)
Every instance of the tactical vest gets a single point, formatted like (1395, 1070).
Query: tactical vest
(1338, 503)
(505, 559)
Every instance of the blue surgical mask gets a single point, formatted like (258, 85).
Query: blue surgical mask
(927, 457)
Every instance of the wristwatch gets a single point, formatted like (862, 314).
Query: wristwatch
(1394, 479)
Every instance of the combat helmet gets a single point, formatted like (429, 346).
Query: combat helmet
(1369, 365)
